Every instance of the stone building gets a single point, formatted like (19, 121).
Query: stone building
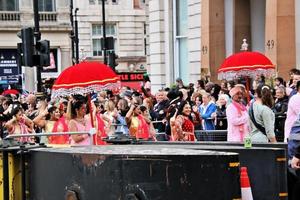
(169, 38)
(174, 41)
(191, 38)
(54, 26)
(126, 23)
(270, 27)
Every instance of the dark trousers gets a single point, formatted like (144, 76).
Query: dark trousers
(293, 184)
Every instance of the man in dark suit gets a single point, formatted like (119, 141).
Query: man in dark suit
(160, 111)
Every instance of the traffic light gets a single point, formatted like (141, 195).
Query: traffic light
(19, 55)
(42, 58)
(112, 57)
(30, 54)
(110, 43)
(27, 46)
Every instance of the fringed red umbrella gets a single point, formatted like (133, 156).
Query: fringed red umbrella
(10, 91)
(246, 64)
(85, 78)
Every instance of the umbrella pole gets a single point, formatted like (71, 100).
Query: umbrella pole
(91, 110)
(247, 90)
(91, 115)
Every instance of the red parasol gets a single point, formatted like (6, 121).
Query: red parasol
(246, 64)
(10, 91)
(84, 78)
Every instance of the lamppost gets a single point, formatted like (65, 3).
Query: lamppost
(37, 35)
(76, 36)
(104, 32)
(72, 36)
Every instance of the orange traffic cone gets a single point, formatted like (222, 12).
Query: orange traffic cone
(245, 185)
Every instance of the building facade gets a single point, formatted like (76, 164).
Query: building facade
(191, 38)
(54, 26)
(175, 40)
(270, 27)
(126, 25)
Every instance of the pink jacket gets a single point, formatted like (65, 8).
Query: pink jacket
(237, 124)
(292, 114)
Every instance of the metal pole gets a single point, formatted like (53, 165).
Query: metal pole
(5, 175)
(91, 133)
(23, 173)
(37, 36)
(104, 32)
(45, 134)
(72, 32)
(76, 36)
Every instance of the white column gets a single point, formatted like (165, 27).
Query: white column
(157, 41)
(194, 40)
(229, 27)
(29, 78)
(175, 42)
(64, 58)
(168, 43)
(258, 21)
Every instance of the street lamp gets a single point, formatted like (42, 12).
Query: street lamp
(76, 36)
(104, 32)
(37, 35)
(72, 36)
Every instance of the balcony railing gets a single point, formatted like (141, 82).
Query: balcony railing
(48, 16)
(15, 16)
(9, 16)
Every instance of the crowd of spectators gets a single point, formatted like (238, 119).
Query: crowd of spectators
(269, 111)
(181, 112)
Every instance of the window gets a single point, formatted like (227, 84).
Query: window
(9, 5)
(97, 30)
(136, 4)
(139, 4)
(181, 40)
(97, 35)
(100, 2)
(92, 2)
(46, 5)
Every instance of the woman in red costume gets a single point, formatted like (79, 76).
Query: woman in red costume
(137, 123)
(19, 124)
(182, 127)
(100, 124)
(52, 121)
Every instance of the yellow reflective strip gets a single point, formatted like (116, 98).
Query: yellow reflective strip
(237, 199)
(283, 194)
(234, 164)
(281, 159)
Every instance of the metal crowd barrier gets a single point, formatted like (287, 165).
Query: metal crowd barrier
(201, 135)
(51, 134)
(211, 135)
